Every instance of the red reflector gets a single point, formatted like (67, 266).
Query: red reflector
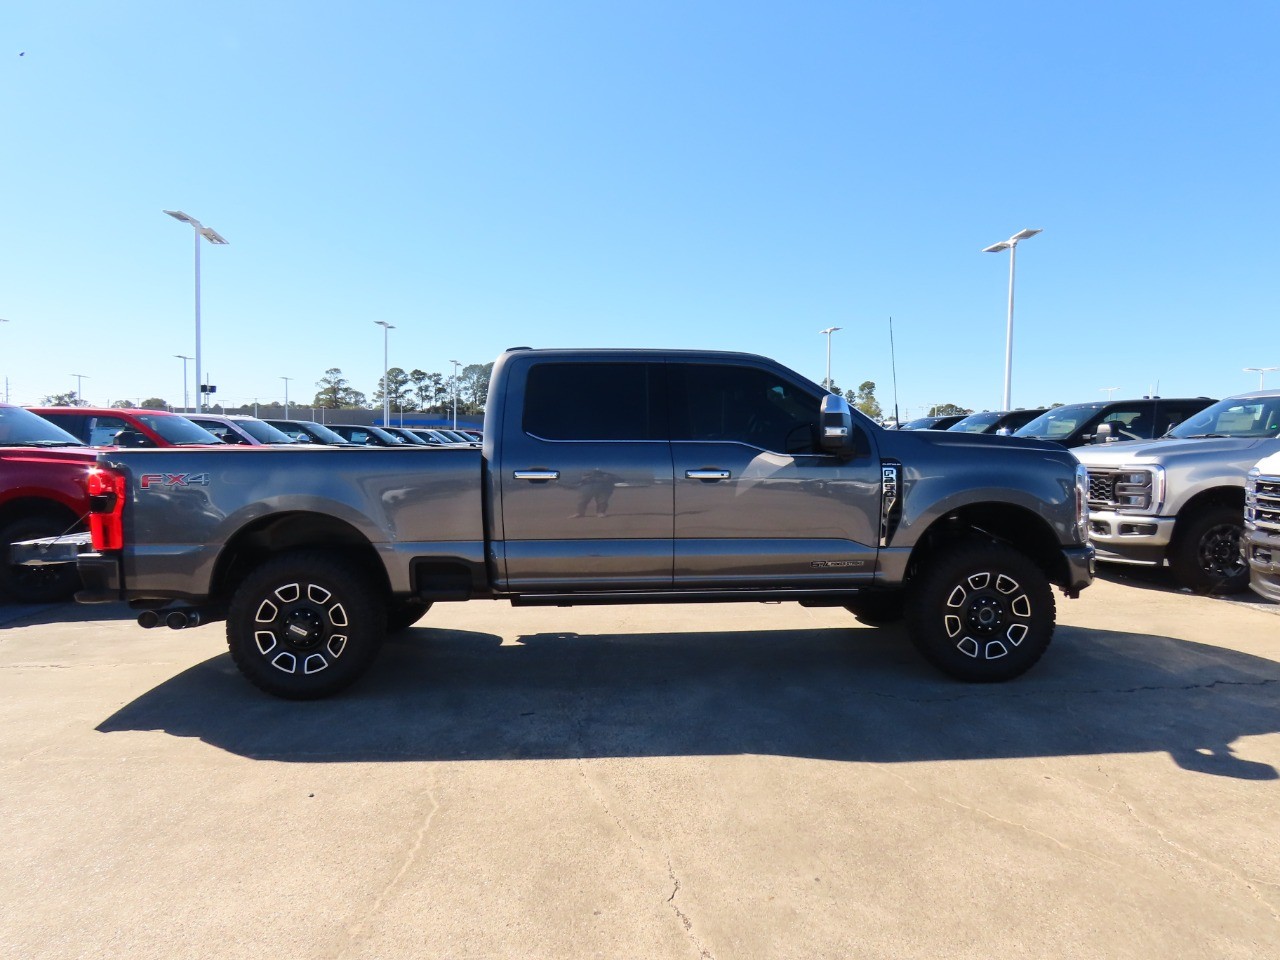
(106, 505)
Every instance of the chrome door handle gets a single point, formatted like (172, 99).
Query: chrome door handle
(537, 476)
(706, 474)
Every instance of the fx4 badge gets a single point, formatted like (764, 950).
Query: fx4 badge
(169, 481)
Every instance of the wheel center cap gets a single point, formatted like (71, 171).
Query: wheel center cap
(302, 628)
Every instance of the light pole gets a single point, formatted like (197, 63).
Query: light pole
(386, 373)
(286, 396)
(184, 358)
(1012, 246)
(456, 365)
(829, 331)
(1108, 391)
(214, 237)
(1262, 374)
(80, 379)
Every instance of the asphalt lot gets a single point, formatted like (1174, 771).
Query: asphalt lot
(649, 782)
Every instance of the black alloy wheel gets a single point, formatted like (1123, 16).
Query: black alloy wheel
(981, 611)
(305, 625)
(1206, 555)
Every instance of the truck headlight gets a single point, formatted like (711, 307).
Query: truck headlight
(1082, 503)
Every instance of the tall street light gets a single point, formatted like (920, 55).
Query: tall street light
(386, 373)
(80, 379)
(184, 358)
(456, 365)
(1012, 246)
(1108, 391)
(1262, 374)
(213, 237)
(286, 396)
(829, 331)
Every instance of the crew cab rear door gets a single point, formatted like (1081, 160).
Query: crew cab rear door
(757, 503)
(585, 476)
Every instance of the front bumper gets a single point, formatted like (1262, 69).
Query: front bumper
(1079, 568)
(1263, 551)
(1130, 537)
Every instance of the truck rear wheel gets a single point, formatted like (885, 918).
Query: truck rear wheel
(43, 584)
(981, 612)
(1205, 555)
(305, 625)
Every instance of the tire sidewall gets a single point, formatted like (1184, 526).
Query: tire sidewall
(45, 586)
(1184, 558)
(361, 625)
(960, 650)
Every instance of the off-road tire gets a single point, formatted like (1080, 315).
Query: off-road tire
(981, 611)
(44, 584)
(305, 625)
(1205, 555)
(404, 614)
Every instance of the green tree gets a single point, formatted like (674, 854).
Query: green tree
(865, 400)
(123, 405)
(335, 392)
(68, 399)
(154, 403)
(428, 389)
(473, 387)
(948, 410)
(394, 385)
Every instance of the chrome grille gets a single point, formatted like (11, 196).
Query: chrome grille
(1123, 490)
(1266, 515)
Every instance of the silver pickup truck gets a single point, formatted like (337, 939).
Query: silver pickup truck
(1180, 500)
(606, 476)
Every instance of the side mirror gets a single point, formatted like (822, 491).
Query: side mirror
(835, 425)
(1105, 433)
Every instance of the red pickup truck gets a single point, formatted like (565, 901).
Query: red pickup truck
(113, 427)
(44, 492)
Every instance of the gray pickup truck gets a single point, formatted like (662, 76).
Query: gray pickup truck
(606, 476)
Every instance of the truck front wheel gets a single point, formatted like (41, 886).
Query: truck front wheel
(305, 625)
(1205, 554)
(981, 612)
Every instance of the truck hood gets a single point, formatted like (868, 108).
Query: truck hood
(1226, 449)
(900, 443)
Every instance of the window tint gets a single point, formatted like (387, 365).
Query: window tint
(721, 402)
(177, 430)
(594, 401)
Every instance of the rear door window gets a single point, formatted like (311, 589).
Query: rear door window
(595, 401)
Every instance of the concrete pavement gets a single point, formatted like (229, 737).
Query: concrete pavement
(733, 781)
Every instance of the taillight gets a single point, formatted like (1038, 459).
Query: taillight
(106, 508)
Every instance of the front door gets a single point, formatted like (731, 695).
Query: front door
(756, 501)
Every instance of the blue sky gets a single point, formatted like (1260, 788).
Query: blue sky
(723, 175)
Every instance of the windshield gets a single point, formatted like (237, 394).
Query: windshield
(22, 428)
(263, 432)
(976, 423)
(1246, 417)
(1059, 422)
(178, 430)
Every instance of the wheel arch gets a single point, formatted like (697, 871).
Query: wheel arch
(32, 506)
(1225, 496)
(295, 530)
(1007, 523)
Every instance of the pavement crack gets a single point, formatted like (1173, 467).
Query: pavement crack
(356, 930)
(1249, 883)
(1040, 694)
